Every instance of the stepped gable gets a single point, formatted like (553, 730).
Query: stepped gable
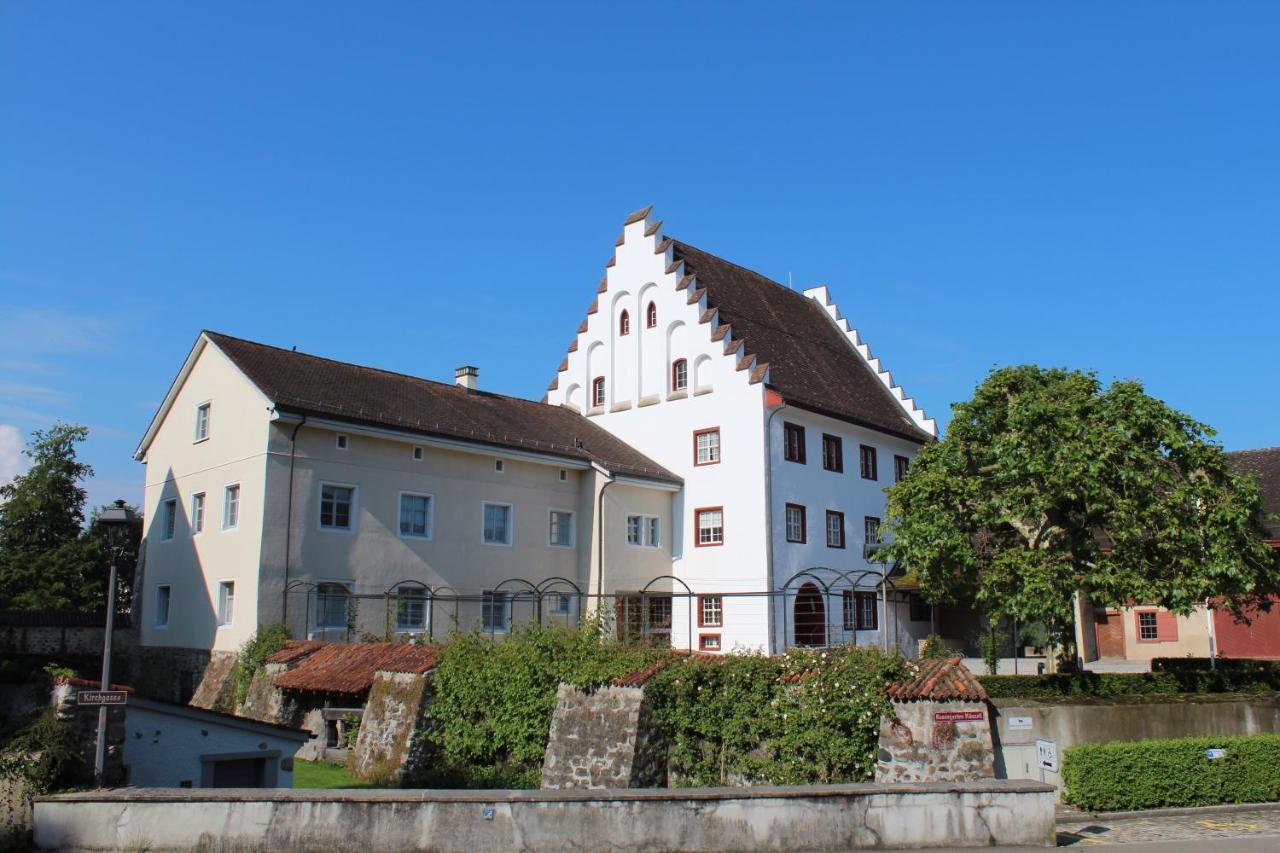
(939, 680)
(1264, 464)
(307, 384)
(349, 667)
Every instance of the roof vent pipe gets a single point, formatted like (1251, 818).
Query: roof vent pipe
(467, 376)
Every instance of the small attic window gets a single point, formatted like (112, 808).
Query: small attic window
(417, 454)
(498, 465)
(624, 323)
(341, 442)
(651, 316)
(564, 475)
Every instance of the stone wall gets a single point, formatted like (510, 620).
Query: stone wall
(216, 690)
(85, 718)
(816, 817)
(169, 673)
(604, 739)
(64, 642)
(932, 741)
(386, 750)
(268, 703)
(15, 807)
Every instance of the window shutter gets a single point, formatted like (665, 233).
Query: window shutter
(1167, 627)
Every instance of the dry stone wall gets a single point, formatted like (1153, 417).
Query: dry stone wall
(604, 739)
(386, 750)
(931, 741)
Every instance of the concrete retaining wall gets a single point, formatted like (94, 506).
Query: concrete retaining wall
(827, 817)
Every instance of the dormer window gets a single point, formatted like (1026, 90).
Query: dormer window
(679, 374)
(624, 323)
(651, 316)
(597, 391)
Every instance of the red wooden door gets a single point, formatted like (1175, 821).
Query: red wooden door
(1109, 630)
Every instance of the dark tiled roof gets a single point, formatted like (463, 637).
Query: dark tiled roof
(298, 382)
(349, 667)
(939, 679)
(1264, 464)
(811, 362)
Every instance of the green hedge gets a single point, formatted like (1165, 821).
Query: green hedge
(1167, 682)
(1172, 773)
(1261, 668)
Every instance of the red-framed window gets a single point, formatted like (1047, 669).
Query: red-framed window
(832, 453)
(901, 464)
(624, 323)
(708, 526)
(835, 529)
(793, 442)
(795, 523)
(679, 374)
(706, 446)
(709, 642)
(597, 391)
(860, 611)
(651, 316)
(867, 458)
(710, 611)
(1156, 626)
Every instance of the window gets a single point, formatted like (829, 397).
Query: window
(644, 619)
(867, 456)
(709, 523)
(920, 610)
(706, 446)
(415, 515)
(564, 475)
(335, 506)
(332, 605)
(170, 519)
(1157, 626)
(860, 612)
(499, 465)
(497, 524)
(871, 530)
(411, 607)
(793, 447)
(679, 374)
(231, 507)
(709, 642)
(597, 391)
(1148, 626)
(162, 605)
(832, 453)
(710, 611)
(495, 611)
(795, 523)
(197, 513)
(417, 454)
(900, 466)
(202, 420)
(651, 316)
(624, 323)
(561, 603)
(643, 530)
(560, 528)
(226, 603)
(835, 529)
(340, 441)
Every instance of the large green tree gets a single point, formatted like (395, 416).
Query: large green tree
(1048, 483)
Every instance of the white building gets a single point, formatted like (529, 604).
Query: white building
(710, 462)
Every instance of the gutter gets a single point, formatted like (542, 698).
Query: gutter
(288, 524)
(768, 523)
(609, 481)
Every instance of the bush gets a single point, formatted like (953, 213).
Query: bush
(268, 640)
(1172, 773)
(1102, 684)
(1259, 668)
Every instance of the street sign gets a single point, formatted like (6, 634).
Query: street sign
(1047, 755)
(1019, 723)
(959, 716)
(102, 697)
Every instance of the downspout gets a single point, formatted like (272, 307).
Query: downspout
(768, 526)
(600, 533)
(288, 522)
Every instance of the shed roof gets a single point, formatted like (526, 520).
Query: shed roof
(944, 678)
(348, 668)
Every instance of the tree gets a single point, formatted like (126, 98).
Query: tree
(1046, 483)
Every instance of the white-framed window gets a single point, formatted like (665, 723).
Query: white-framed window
(644, 531)
(706, 446)
(495, 611)
(497, 524)
(499, 465)
(795, 514)
(415, 515)
(202, 420)
(710, 611)
(564, 475)
(337, 506)
(560, 528)
(1148, 625)
(163, 594)
(341, 441)
(411, 607)
(709, 523)
(169, 519)
(560, 603)
(197, 513)
(226, 603)
(417, 453)
(231, 507)
(332, 605)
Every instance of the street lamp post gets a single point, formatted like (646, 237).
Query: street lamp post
(116, 520)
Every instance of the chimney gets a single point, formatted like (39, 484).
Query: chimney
(467, 376)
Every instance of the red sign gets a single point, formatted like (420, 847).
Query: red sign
(959, 716)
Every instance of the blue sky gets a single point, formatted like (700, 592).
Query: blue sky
(416, 186)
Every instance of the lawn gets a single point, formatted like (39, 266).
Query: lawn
(321, 774)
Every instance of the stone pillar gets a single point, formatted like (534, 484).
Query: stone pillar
(387, 751)
(604, 739)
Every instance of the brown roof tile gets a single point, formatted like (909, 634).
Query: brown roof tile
(349, 667)
(297, 382)
(295, 649)
(946, 678)
(1265, 465)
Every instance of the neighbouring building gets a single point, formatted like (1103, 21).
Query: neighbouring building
(710, 464)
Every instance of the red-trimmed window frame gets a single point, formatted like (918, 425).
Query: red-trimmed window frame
(675, 374)
(719, 447)
(702, 623)
(804, 524)
(697, 528)
(651, 316)
(624, 323)
(826, 530)
(1166, 626)
(597, 392)
(704, 638)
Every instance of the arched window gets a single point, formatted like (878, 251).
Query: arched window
(597, 391)
(679, 374)
(651, 316)
(624, 323)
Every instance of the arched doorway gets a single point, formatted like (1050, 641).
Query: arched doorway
(811, 617)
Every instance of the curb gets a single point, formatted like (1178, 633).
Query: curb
(1227, 808)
